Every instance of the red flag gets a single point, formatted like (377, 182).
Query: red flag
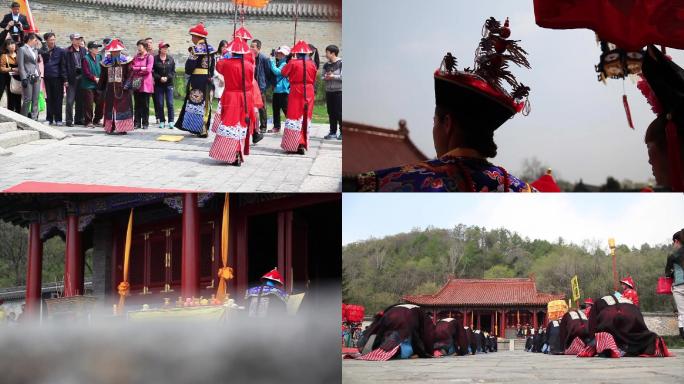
(629, 24)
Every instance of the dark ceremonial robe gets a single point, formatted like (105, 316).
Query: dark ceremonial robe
(573, 324)
(529, 343)
(266, 301)
(116, 93)
(537, 342)
(449, 173)
(195, 116)
(450, 334)
(398, 323)
(472, 342)
(495, 343)
(552, 338)
(624, 321)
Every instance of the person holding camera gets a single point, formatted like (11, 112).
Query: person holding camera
(74, 71)
(29, 73)
(15, 23)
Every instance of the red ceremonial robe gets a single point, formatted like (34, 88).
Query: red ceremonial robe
(294, 135)
(232, 132)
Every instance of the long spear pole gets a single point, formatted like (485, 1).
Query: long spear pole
(235, 18)
(296, 19)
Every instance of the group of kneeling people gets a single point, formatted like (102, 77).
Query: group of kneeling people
(611, 326)
(406, 331)
(614, 327)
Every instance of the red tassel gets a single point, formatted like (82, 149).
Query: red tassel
(627, 111)
(674, 157)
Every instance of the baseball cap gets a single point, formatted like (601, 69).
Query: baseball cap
(284, 49)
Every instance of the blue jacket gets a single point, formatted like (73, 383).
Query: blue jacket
(282, 84)
(54, 63)
(262, 73)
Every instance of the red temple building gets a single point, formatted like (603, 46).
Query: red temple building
(494, 305)
(176, 239)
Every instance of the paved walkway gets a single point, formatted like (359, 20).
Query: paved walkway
(518, 367)
(89, 156)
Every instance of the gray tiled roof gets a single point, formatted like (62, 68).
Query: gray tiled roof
(320, 10)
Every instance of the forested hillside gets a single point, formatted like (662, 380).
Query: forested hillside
(377, 272)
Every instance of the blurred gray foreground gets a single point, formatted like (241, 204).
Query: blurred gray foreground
(302, 349)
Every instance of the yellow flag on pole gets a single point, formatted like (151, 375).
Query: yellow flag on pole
(124, 287)
(225, 273)
(575, 288)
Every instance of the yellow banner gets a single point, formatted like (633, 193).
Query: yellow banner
(575, 288)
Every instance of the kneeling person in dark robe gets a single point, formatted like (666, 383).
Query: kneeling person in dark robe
(402, 331)
(618, 329)
(573, 333)
(450, 338)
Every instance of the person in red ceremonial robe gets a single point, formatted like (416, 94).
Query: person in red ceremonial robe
(237, 104)
(115, 85)
(243, 34)
(628, 291)
(616, 328)
(301, 72)
(589, 302)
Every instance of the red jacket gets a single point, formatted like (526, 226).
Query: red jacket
(632, 295)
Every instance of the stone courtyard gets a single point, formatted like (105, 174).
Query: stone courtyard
(518, 367)
(89, 156)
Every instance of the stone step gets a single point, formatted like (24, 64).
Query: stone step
(8, 127)
(11, 139)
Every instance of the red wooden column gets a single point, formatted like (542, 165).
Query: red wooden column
(190, 269)
(33, 272)
(503, 324)
(73, 264)
(534, 320)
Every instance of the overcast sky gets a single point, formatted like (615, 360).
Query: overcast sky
(631, 218)
(577, 125)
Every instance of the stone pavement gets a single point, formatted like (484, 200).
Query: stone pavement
(518, 367)
(89, 156)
